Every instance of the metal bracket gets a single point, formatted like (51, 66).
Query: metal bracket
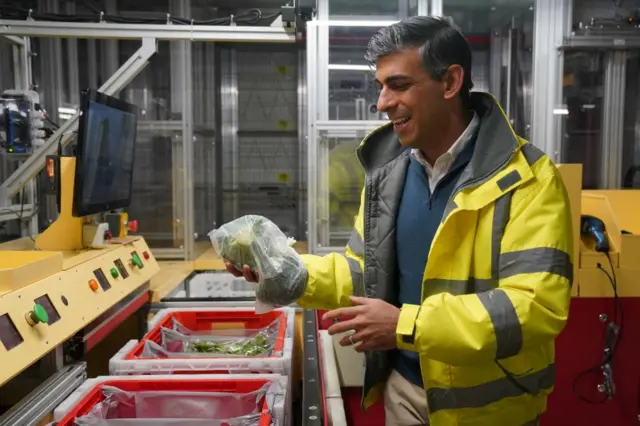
(312, 395)
(20, 41)
(610, 342)
(46, 397)
(123, 76)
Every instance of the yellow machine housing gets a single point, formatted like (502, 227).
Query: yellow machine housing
(53, 287)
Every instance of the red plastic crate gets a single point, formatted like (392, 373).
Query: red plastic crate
(204, 320)
(95, 396)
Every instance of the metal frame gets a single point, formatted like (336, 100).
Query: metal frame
(303, 144)
(30, 168)
(320, 128)
(552, 23)
(108, 34)
(45, 398)
(229, 129)
(612, 142)
(22, 81)
(106, 30)
(613, 41)
(616, 46)
(182, 85)
(436, 8)
(312, 395)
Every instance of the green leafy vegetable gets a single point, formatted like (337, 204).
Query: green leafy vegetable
(255, 346)
(257, 242)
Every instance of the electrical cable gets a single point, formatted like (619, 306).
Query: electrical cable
(618, 319)
(54, 124)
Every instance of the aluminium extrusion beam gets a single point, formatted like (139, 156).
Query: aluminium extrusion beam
(46, 397)
(20, 41)
(30, 168)
(312, 394)
(231, 33)
(15, 212)
(618, 41)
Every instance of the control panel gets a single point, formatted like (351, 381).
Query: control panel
(38, 317)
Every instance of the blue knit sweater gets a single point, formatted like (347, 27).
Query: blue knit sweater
(419, 215)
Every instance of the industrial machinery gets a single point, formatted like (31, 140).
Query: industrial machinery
(74, 283)
(21, 122)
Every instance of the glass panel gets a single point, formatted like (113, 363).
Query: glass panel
(501, 40)
(260, 83)
(204, 135)
(368, 9)
(631, 134)
(352, 90)
(340, 181)
(157, 181)
(583, 95)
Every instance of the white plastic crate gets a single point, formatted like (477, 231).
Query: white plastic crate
(219, 285)
(282, 364)
(281, 410)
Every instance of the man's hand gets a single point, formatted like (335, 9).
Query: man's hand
(373, 320)
(246, 272)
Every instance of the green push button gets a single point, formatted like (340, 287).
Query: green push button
(114, 273)
(37, 315)
(136, 260)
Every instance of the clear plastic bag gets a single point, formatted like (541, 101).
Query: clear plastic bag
(223, 343)
(168, 408)
(257, 242)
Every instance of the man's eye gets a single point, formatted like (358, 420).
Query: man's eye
(400, 87)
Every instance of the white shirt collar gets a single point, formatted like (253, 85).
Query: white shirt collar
(452, 153)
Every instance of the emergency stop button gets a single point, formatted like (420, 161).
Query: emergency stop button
(37, 315)
(132, 226)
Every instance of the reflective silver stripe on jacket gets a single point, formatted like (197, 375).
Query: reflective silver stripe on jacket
(507, 327)
(488, 393)
(503, 314)
(356, 244)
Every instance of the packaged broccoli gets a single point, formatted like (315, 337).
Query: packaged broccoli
(257, 242)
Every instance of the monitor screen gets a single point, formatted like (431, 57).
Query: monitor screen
(105, 154)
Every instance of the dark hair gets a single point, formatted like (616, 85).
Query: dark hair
(441, 45)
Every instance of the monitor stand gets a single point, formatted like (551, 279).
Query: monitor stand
(65, 234)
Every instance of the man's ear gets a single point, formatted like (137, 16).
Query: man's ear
(453, 81)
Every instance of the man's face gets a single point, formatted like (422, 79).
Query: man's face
(414, 102)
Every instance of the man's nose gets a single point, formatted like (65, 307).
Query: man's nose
(386, 100)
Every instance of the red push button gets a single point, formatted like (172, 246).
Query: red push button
(132, 226)
(146, 255)
(93, 284)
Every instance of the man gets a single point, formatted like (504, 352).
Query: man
(461, 256)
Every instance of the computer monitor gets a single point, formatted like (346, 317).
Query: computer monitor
(105, 154)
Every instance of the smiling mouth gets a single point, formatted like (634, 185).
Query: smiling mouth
(401, 122)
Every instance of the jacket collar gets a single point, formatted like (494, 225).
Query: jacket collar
(494, 146)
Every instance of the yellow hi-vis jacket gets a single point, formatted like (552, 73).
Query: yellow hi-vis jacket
(496, 288)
